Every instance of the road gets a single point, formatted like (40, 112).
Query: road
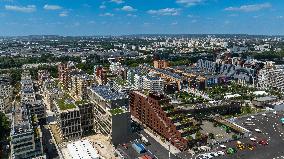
(48, 147)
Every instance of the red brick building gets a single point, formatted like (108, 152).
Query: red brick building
(161, 64)
(149, 110)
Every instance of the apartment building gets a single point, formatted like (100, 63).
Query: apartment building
(26, 135)
(111, 114)
(165, 74)
(78, 85)
(68, 118)
(6, 92)
(51, 91)
(149, 111)
(116, 67)
(153, 84)
(86, 109)
(161, 64)
(271, 76)
(6, 88)
(42, 76)
(101, 74)
(37, 108)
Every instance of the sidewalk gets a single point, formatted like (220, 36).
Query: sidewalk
(165, 144)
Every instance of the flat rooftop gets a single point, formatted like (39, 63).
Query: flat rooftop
(65, 104)
(82, 150)
(106, 93)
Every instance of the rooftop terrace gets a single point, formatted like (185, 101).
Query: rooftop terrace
(65, 104)
(116, 111)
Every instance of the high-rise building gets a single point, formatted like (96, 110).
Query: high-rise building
(272, 76)
(68, 118)
(26, 135)
(111, 114)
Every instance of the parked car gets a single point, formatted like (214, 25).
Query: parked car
(263, 142)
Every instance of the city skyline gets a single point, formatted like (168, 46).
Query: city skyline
(125, 17)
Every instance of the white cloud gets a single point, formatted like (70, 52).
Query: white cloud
(52, 7)
(107, 15)
(165, 11)
(146, 24)
(131, 15)
(24, 9)
(174, 23)
(280, 17)
(128, 9)
(64, 14)
(189, 3)
(117, 1)
(92, 22)
(102, 6)
(249, 8)
(192, 16)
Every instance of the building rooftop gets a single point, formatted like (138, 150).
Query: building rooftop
(21, 122)
(82, 149)
(107, 93)
(65, 104)
(116, 111)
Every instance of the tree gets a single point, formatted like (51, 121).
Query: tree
(234, 137)
(4, 127)
(211, 136)
(198, 135)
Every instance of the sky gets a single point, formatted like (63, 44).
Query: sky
(124, 17)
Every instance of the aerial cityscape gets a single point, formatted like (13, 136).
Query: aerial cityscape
(159, 79)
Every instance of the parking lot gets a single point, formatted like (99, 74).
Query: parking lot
(155, 149)
(264, 127)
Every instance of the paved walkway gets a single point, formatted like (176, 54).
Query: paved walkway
(165, 144)
(198, 93)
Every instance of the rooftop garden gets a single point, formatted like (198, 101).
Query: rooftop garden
(81, 102)
(220, 91)
(116, 111)
(189, 98)
(66, 102)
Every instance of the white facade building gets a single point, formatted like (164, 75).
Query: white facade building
(271, 77)
(153, 84)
